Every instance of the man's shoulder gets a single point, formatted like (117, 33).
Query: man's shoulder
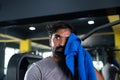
(41, 64)
(45, 61)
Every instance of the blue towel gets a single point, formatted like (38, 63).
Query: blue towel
(85, 66)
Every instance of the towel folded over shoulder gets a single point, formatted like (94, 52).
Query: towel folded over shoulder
(85, 66)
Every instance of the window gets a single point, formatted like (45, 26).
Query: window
(46, 54)
(9, 52)
(98, 65)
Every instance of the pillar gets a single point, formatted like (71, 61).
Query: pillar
(116, 30)
(25, 46)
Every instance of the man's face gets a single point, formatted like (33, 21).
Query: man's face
(58, 41)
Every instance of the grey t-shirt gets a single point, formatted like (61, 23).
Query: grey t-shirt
(45, 69)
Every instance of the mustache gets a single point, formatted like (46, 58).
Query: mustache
(60, 47)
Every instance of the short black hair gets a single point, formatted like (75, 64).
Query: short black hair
(54, 26)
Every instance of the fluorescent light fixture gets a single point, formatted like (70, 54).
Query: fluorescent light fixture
(32, 28)
(91, 22)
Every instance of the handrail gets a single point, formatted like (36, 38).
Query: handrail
(98, 28)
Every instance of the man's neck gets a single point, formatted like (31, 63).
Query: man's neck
(55, 58)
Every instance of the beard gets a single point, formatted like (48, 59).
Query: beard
(59, 52)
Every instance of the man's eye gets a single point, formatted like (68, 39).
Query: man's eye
(57, 37)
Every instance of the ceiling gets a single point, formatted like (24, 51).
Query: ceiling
(11, 32)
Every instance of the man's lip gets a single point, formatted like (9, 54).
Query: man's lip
(60, 49)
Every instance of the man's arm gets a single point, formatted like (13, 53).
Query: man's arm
(99, 76)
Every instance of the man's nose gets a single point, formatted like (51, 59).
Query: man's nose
(62, 42)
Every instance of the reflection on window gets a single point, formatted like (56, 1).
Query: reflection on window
(46, 54)
(9, 52)
(98, 65)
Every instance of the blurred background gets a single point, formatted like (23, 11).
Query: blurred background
(23, 22)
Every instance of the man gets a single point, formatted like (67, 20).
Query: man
(62, 65)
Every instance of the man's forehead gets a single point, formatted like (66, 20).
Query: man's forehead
(62, 35)
(63, 32)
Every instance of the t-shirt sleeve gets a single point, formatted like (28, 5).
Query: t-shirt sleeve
(33, 73)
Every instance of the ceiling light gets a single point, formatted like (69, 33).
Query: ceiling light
(32, 28)
(91, 22)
